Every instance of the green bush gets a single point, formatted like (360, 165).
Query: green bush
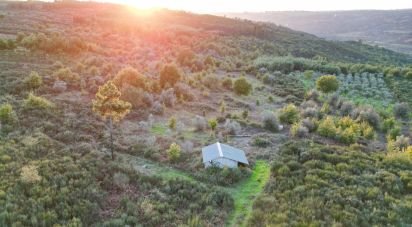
(327, 84)
(242, 86)
(289, 114)
(327, 127)
(7, 114)
(37, 102)
(33, 81)
(66, 75)
(174, 152)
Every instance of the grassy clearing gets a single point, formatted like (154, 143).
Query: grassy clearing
(245, 192)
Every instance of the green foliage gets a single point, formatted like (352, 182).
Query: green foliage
(289, 114)
(310, 182)
(7, 44)
(298, 130)
(65, 74)
(130, 76)
(54, 43)
(212, 123)
(327, 127)
(308, 74)
(169, 75)
(290, 64)
(108, 104)
(172, 123)
(242, 86)
(33, 81)
(327, 84)
(7, 114)
(37, 102)
(174, 152)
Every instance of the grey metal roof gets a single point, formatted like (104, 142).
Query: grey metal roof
(219, 150)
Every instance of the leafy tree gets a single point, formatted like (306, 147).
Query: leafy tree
(242, 86)
(174, 152)
(327, 127)
(109, 106)
(169, 75)
(29, 174)
(327, 84)
(33, 81)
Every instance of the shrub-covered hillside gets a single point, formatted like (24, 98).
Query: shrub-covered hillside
(104, 110)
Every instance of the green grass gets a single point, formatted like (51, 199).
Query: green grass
(245, 193)
(158, 129)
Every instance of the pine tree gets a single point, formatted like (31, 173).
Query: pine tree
(109, 106)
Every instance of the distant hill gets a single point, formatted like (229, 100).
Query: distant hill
(388, 28)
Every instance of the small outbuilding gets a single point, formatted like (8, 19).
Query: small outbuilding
(222, 155)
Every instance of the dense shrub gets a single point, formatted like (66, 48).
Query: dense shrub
(401, 110)
(168, 97)
(299, 130)
(199, 123)
(37, 102)
(242, 86)
(369, 115)
(327, 127)
(327, 84)
(183, 91)
(312, 95)
(270, 121)
(211, 81)
(137, 97)
(186, 57)
(310, 182)
(33, 81)
(130, 76)
(66, 75)
(174, 152)
(222, 176)
(309, 124)
(289, 114)
(227, 83)
(169, 75)
(7, 114)
(346, 108)
(232, 127)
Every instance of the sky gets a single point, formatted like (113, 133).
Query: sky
(218, 6)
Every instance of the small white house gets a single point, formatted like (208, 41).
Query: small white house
(223, 155)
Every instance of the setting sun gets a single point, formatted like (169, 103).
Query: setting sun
(219, 6)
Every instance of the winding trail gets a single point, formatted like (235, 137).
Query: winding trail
(244, 193)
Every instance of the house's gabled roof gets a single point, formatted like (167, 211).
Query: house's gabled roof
(219, 150)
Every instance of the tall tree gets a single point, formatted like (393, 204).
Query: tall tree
(109, 106)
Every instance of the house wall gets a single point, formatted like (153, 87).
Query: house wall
(222, 162)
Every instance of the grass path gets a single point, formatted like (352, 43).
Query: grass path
(243, 193)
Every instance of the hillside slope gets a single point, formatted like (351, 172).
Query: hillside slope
(388, 28)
